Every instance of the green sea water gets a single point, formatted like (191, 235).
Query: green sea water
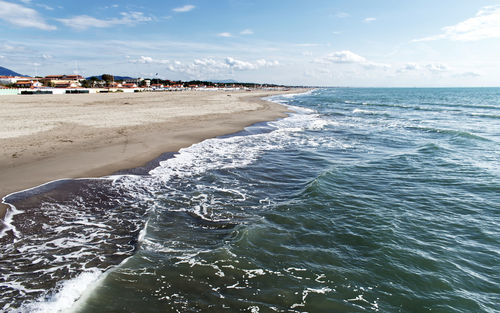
(363, 200)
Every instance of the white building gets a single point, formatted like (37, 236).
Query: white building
(7, 80)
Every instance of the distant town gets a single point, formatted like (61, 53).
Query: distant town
(105, 83)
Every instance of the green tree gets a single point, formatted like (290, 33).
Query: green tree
(86, 83)
(93, 80)
(107, 78)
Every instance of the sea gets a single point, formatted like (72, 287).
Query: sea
(361, 200)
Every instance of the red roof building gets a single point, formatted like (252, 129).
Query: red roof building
(129, 85)
(28, 84)
(64, 77)
(66, 84)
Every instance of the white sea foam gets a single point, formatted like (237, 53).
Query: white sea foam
(71, 240)
(308, 291)
(7, 221)
(364, 111)
(236, 151)
(69, 292)
(293, 95)
(12, 210)
(254, 273)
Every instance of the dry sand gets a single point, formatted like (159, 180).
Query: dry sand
(49, 137)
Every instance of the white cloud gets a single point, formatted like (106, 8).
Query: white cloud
(344, 57)
(408, 67)
(348, 57)
(369, 19)
(469, 74)
(486, 24)
(21, 16)
(202, 68)
(430, 67)
(239, 65)
(267, 63)
(2, 57)
(342, 15)
(437, 67)
(225, 34)
(205, 66)
(185, 8)
(148, 60)
(246, 32)
(46, 7)
(143, 60)
(83, 22)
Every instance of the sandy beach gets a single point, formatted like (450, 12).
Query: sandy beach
(49, 137)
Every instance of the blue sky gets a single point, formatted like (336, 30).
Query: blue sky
(328, 43)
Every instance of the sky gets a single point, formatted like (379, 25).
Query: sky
(360, 43)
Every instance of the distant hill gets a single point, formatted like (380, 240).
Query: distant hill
(6, 72)
(116, 77)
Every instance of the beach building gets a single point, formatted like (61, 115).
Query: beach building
(74, 77)
(64, 77)
(60, 80)
(115, 85)
(28, 84)
(66, 84)
(175, 87)
(7, 80)
(129, 85)
(157, 86)
(136, 81)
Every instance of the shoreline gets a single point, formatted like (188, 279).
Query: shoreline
(72, 150)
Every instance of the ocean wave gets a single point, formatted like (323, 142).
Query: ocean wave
(64, 299)
(485, 115)
(293, 95)
(80, 226)
(409, 107)
(369, 112)
(449, 132)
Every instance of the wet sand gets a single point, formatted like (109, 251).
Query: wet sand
(49, 137)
